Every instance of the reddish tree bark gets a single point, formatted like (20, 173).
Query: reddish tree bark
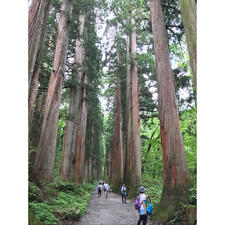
(80, 131)
(37, 21)
(175, 170)
(80, 110)
(117, 145)
(133, 151)
(45, 159)
(34, 73)
(68, 156)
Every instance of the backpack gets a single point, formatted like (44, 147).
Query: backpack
(137, 203)
(124, 193)
(149, 209)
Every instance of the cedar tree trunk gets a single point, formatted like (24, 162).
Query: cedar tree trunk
(80, 132)
(66, 171)
(37, 21)
(45, 159)
(117, 145)
(133, 151)
(175, 170)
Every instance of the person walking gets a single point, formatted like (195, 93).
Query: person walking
(124, 194)
(99, 189)
(106, 189)
(142, 211)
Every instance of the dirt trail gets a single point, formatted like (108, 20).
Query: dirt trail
(109, 211)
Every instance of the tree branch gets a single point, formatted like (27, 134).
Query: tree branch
(171, 7)
(150, 144)
(119, 20)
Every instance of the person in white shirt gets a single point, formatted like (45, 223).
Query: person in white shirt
(142, 212)
(124, 193)
(106, 189)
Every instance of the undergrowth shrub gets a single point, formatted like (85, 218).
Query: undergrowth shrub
(44, 213)
(59, 200)
(34, 193)
(153, 188)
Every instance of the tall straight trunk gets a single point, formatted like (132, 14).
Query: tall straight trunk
(107, 168)
(36, 128)
(175, 170)
(44, 162)
(117, 145)
(36, 67)
(80, 132)
(189, 17)
(133, 151)
(86, 169)
(87, 152)
(32, 95)
(36, 125)
(67, 164)
(94, 169)
(38, 14)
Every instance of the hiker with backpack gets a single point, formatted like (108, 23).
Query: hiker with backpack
(106, 189)
(140, 205)
(99, 189)
(124, 193)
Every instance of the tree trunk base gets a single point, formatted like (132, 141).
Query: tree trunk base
(170, 202)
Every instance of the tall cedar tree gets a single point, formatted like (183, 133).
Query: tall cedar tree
(189, 17)
(133, 151)
(45, 158)
(37, 22)
(117, 145)
(93, 140)
(88, 167)
(175, 171)
(80, 116)
(66, 171)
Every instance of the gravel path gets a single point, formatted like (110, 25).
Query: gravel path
(109, 211)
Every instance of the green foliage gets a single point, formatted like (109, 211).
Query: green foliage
(34, 193)
(151, 148)
(188, 124)
(32, 219)
(186, 214)
(193, 194)
(153, 187)
(44, 213)
(60, 200)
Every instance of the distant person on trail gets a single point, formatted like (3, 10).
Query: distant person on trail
(103, 186)
(142, 211)
(106, 189)
(99, 189)
(124, 194)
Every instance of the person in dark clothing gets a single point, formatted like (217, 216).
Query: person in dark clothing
(124, 194)
(99, 190)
